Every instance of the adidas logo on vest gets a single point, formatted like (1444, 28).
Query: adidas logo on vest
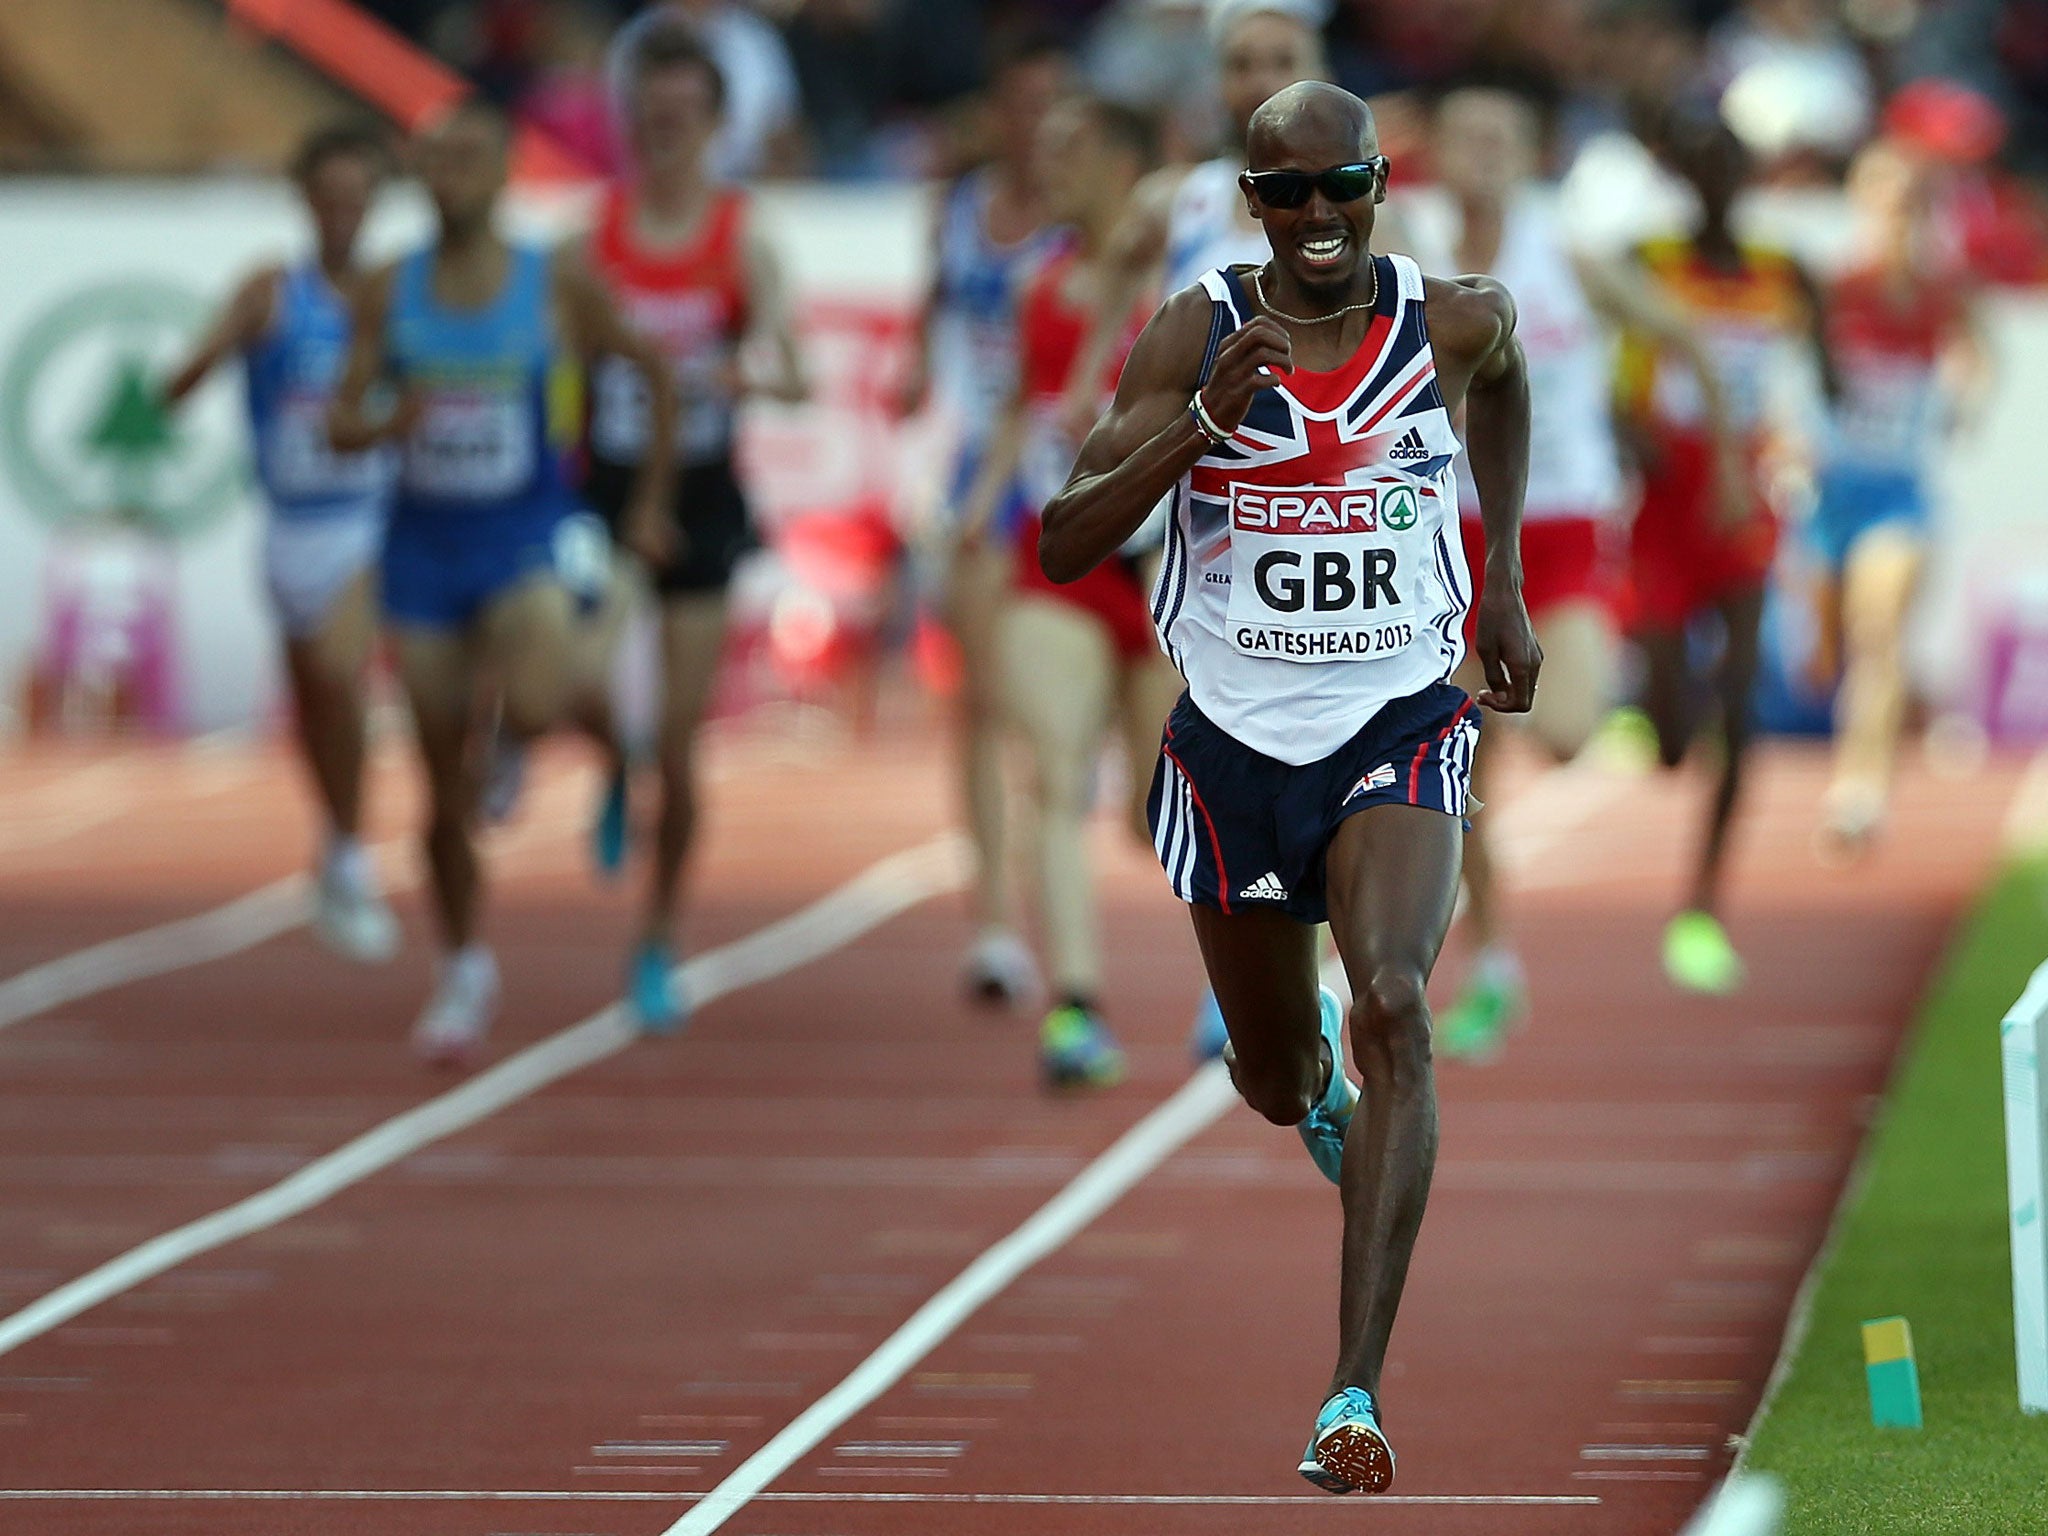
(1266, 888)
(1410, 449)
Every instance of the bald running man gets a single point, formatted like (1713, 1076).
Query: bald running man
(1313, 595)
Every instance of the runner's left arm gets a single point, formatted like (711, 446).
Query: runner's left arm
(241, 321)
(772, 325)
(1622, 296)
(596, 329)
(1497, 444)
(1965, 367)
(352, 425)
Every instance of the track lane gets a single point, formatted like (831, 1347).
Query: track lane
(679, 1248)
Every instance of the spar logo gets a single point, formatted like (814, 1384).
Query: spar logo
(1324, 509)
(1306, 509)
(82, 436)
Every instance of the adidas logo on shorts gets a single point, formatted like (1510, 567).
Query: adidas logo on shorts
(1266, 888)
(1410, 449)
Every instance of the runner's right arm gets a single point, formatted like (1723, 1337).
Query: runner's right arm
(1150, 436)
(915, 387)
(1132, 262)
(241, 321)
(997, 470)
(351, 425)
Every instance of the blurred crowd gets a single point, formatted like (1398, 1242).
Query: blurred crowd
(861, 89)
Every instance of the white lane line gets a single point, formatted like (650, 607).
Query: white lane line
(1194, 1107)
(225, 930)
(850, 1496)
(893, 885)
(228, 929)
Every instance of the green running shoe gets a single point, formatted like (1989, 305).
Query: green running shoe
(1698, 956)
(1476, 1025)
(1076, 1050)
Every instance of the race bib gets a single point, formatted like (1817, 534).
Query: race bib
(623, 413)
(1324, 573)
(303, 466)
(472, 447)
(1886, 411)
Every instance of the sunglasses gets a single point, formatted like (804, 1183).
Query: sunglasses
(1340, 183)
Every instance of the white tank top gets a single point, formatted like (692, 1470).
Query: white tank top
(1203, 231)
(1313, 569)
(1573, 468)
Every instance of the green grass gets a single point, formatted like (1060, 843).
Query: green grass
(1927, 1239)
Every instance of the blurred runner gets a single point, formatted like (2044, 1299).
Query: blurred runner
(1692, 554)
(1905, 342)
(990, 233)
(290, 326)
(687, 266)
(485, 561)
(1488, 150)
(1077, 658)
(1314, 594)
(1186, 220)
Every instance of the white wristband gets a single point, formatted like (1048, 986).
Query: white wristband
(1205, 422)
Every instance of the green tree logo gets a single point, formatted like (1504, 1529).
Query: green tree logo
(83, 436)
(1398, 510)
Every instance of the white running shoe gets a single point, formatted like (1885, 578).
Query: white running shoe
(351, 918)
(1001, 972)
(458, 1016)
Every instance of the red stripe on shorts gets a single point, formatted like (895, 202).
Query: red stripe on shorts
(1422, 752)
(1215, 842)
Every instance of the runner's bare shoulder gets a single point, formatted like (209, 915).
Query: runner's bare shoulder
(1468, 316)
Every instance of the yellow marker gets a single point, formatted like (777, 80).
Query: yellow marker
(1892, 1373)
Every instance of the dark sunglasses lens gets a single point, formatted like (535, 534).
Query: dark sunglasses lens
(1283, 189)
(1347, 183)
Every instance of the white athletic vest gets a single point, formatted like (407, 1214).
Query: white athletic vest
(1313, 568)
(1573, 468)
(1202, 228)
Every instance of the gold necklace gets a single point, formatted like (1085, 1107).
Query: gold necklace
(1370, 302)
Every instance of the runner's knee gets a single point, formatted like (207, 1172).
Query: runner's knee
(1280, 1085)
(1390, 1023)
(534, 703)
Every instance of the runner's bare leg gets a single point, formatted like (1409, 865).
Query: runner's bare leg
(1392, 882)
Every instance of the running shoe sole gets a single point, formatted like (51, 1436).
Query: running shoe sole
(1350, 1458)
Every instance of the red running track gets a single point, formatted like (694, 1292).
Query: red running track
(605, 1297)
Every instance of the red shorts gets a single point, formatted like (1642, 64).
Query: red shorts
(1564, 560)
(1682, 557)
(1111, 592)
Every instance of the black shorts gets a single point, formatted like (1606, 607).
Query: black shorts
(1240, 831)
(710, 511)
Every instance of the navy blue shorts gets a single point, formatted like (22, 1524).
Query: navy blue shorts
(1240, 831)
(441, 570)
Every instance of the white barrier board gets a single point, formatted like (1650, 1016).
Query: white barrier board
(2026, 1139)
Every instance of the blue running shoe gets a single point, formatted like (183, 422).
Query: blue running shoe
(1207, 1039)
(608, 833)
(657, 1000)
(1349, 1453)
(1323, 1131)
(1076, 1050)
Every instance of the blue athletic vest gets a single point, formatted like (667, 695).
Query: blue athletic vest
(499, 395)
(291, 372)
(975, 356)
